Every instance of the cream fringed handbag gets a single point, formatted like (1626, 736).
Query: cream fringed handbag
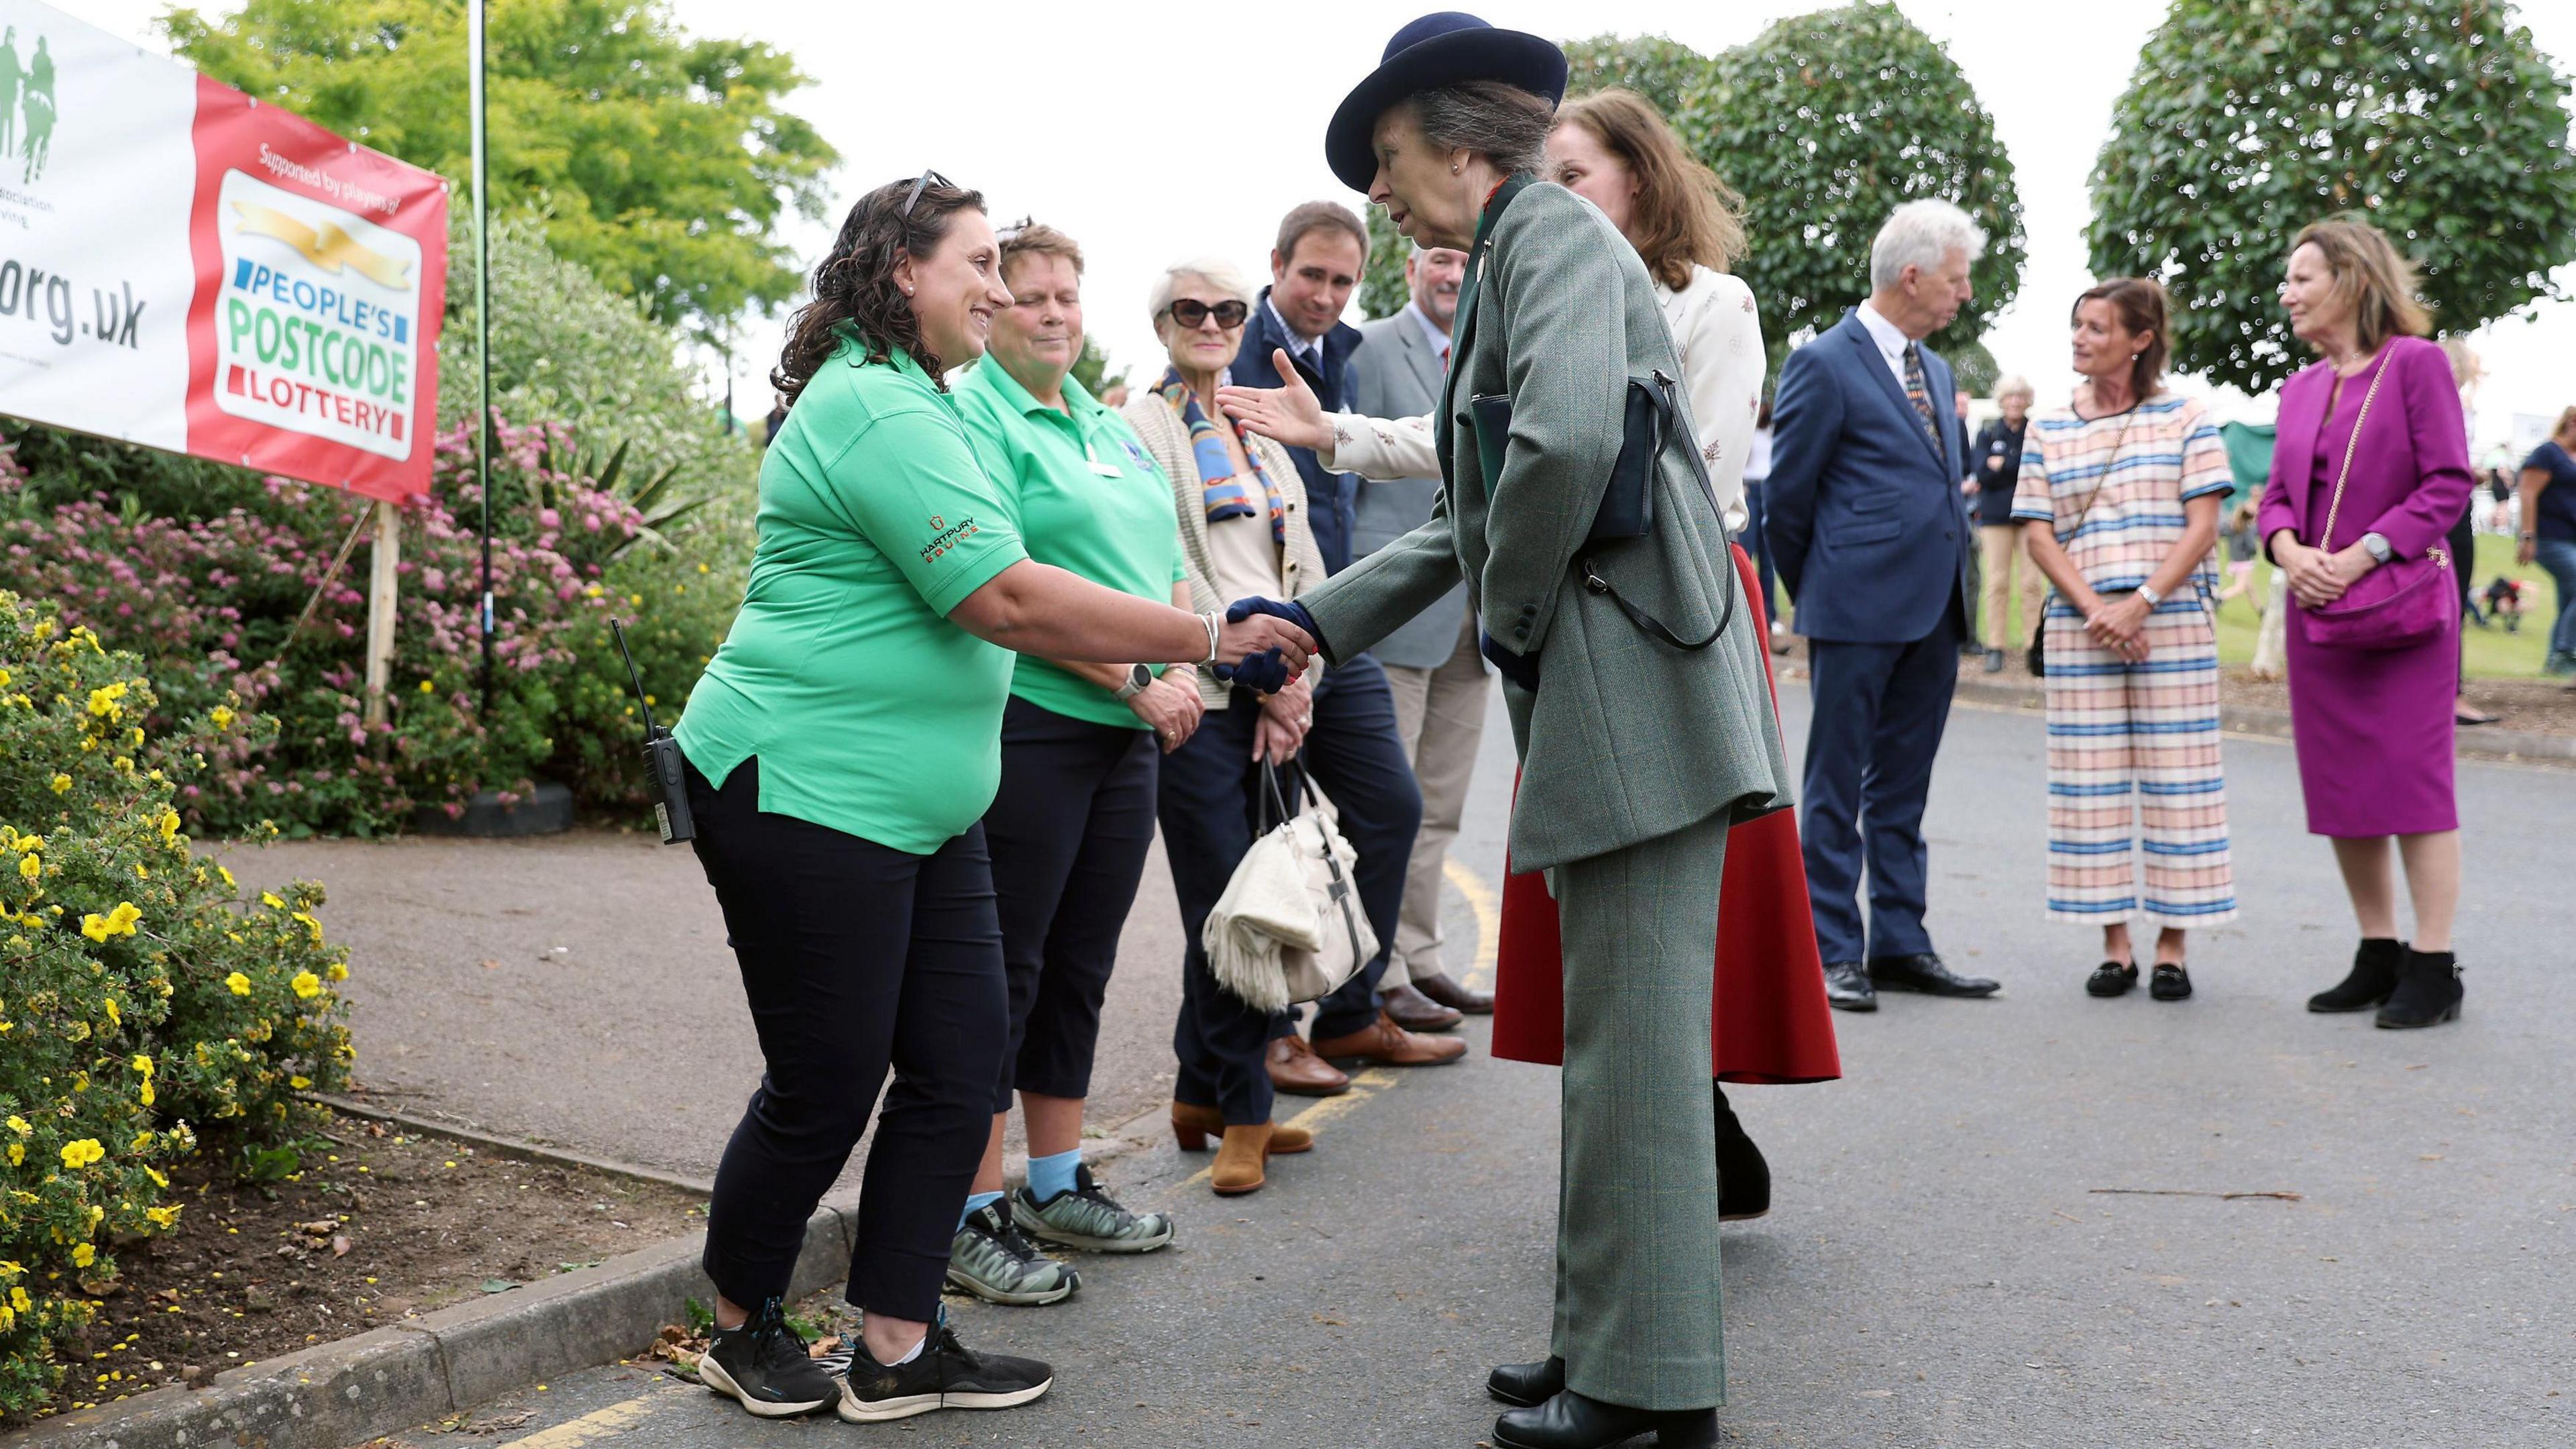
(1289, 927)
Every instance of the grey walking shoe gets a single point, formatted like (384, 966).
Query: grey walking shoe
(990, 1259)
(1089, 1218)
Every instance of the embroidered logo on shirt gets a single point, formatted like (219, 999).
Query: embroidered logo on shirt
(948, 537)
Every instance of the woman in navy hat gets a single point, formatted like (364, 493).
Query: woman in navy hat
(1633, 672)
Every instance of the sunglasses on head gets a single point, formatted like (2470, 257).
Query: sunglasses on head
(1191, 312)
(914, 198)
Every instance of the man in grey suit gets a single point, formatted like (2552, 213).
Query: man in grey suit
(1438, 678)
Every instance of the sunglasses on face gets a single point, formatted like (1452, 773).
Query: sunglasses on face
(1192, 313)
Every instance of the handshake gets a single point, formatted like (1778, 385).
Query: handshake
(1271, 640)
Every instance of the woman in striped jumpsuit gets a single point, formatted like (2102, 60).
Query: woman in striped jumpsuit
(2120, 493)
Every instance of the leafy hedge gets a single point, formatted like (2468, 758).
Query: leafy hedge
(142, 999)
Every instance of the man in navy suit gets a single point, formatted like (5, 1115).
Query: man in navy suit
(1863, 517)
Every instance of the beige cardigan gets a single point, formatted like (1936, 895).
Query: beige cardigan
(1168, 441)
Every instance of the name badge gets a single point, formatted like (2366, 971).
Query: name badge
(1106, 470)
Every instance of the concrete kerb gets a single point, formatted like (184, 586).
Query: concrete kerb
(407, 1374)
(2483, 743)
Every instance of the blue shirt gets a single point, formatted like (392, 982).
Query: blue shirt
(2555, 514)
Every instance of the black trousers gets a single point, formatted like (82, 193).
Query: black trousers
(1069, 833)
(856, 957)
(1211, 803)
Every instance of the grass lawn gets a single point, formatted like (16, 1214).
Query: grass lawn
(2493, 653)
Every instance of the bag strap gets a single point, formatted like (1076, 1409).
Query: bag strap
(1669, 407)
(1343, 890)
(2334, 506)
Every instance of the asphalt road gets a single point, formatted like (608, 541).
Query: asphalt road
(2003, 1228)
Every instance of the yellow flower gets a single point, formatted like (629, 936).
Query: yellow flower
(307, 985)
(114, 1016)
(18, 1300)
(239, 984)
(311, 924)
(60, 783)
(84, 1255)
(336, 971)
(270, 900)
(167, 1217)
(222, 717)
(169, 824)
(30, 867)
(299, 1083)
(158, 1180)
(227, 875)
(103, 700)
(134, 737)
(19, 1125)
(17, 1153)
(8, 1319)
(118, 922)
(428, 688)
(82, 1154)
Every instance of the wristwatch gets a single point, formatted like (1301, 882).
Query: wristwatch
(2376, 545)
(1138, 676)
(2148, 593)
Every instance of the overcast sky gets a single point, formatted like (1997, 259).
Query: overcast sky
(1162, 132)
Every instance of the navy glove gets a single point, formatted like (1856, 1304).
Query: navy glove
(1520, 669)
(1288, 609)
(1262, 673)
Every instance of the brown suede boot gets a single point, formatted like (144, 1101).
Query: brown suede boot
(1193, 1125)
(1239, 1161)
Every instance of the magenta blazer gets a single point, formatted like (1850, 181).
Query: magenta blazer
(2410, 476)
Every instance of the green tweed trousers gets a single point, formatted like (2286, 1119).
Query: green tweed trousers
(1638, 1316)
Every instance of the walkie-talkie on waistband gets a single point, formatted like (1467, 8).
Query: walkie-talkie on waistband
(661, 757)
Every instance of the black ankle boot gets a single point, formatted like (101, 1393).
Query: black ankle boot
(1743, 1178)
(1523, 1385)
(1571, 1421)
(2374, 975)
(2428, 991)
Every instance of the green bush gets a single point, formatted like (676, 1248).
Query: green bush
(142, 1001)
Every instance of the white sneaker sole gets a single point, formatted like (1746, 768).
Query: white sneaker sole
(858, 1412)
(712, 1374)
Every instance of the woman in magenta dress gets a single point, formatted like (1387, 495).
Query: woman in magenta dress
(2373, 726)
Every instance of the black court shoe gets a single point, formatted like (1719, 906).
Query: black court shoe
(2374, 976)
(1523, 1385)
(2172, 982)
(763, 1363)
(2111, 978)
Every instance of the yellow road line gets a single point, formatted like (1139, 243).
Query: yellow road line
(590, 1428)
(1489, 916)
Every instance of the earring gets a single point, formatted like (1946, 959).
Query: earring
(1453, 168)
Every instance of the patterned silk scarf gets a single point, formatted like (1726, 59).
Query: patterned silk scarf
(1224, 495)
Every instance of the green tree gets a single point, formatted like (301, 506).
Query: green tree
(2437, 120)
(660, 161)
(1091, 369)
(1661, 69)
(1828, 122)
(1382, 289)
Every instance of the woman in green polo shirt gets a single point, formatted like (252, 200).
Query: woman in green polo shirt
(842, 748)
(1074, 820)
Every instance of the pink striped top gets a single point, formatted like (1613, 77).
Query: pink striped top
(2146, 462)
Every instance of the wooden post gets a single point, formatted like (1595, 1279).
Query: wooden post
(380, 609)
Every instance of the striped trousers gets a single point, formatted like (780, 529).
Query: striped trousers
(2133, 761)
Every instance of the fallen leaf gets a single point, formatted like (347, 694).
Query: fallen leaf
(491, 965)
(340, 1245)
(498, 1285)
(501, 1423)
(1330, 1322)
(823, 1346)
(319, 1227)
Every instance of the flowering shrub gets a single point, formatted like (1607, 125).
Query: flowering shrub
(213, 604)
(141, 1000)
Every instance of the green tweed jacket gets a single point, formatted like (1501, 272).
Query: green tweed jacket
(1627, 738)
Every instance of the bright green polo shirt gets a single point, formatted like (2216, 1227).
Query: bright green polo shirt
(1089, 500)
(870, 712)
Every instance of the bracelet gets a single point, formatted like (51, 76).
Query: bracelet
(1210, 619)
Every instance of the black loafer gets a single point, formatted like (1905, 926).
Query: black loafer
(2111, 978)
(1571, 1421)
(1925, 973)
(1848, 988)
(2172, 982)
(1524, 1385)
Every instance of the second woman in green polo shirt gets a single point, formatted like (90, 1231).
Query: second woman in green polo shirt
(842, 748)
(1074, 820)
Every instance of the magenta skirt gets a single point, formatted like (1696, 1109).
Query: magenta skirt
(2374, 732)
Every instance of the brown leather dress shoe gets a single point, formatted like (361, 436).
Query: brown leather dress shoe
(1239, 1160)
(1297, 1071)
(1416, 1012)
(1442, 988)
(1193, 1125)
(1387, 1044)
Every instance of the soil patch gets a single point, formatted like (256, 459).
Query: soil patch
(378, 1225)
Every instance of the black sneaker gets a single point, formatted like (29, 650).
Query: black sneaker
(946, 1374)
(764, 1364)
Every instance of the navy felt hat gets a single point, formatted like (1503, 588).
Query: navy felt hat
(1439, 49)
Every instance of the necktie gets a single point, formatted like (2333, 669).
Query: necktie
(1917, 393)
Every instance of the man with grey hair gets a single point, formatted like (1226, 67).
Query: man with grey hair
(1866, 527)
